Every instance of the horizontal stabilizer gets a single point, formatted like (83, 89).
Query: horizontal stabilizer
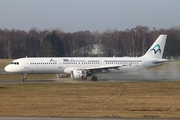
(160, 61)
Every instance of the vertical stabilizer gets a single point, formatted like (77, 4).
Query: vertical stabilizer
(157, 49)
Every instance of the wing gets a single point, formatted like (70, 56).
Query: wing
(69, 69)
(105, 67)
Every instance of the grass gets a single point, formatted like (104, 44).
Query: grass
(127, 100)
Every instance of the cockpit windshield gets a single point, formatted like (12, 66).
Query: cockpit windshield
(15, 63)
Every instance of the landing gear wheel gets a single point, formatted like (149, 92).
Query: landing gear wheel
(25, 78)
(94, 78)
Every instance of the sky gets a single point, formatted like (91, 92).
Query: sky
(92, 15)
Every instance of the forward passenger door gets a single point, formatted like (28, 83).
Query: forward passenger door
(60, 63)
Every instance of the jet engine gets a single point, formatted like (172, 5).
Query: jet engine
(79, 74)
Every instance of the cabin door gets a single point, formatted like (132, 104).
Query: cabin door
(101, 62)
(60, 63)
(26, 64)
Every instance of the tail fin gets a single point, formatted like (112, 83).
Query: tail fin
(157, 49)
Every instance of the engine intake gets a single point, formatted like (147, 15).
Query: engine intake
(79, 74)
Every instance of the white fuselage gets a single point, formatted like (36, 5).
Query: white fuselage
(60, 65)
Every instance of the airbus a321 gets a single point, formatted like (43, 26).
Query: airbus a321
(81, 67)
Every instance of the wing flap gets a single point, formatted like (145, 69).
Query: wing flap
(105, 67)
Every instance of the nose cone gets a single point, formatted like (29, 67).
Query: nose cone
(7, 69)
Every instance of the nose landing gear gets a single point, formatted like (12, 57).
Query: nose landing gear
(25, 78)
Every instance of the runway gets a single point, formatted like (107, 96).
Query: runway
(140, 76)
(49, 118)
(2, 71)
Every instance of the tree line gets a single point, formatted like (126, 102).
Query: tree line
(56, 43)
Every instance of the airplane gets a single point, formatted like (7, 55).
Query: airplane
(80, 68)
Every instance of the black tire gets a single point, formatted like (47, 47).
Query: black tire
(94, 78)
(24, 79)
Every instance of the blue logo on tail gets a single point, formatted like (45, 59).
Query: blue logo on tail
(156, 49)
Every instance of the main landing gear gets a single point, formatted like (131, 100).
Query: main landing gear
(25, 78)
(94, 78)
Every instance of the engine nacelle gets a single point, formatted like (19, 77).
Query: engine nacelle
(79, 74)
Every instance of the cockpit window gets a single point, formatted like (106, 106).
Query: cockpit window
(15, 63)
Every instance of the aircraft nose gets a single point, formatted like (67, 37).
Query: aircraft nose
(7, 68)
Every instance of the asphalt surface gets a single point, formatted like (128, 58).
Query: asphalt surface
(2, 71)
(140, 76)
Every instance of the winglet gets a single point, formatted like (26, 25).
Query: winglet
(157, 49)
